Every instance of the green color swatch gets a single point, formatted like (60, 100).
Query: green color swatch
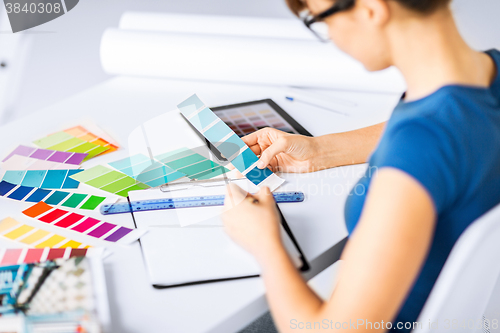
(74, 200)
(109, 180)
(92, 202)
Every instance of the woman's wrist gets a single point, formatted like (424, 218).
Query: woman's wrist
(267, 250)
(346, 148)
(325, 152)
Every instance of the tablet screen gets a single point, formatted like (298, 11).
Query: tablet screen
(246, 118)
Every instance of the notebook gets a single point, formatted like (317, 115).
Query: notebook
(189, 245)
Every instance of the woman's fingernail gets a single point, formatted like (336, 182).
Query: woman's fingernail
(260, 165)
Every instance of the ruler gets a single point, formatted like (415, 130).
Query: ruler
(186, 202)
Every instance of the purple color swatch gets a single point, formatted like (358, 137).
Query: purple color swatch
(76, 159)
(48, 155)
(118, 234)
(41, 154)
(101, 230)
(59, 156)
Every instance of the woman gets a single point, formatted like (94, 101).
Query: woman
(438, 168)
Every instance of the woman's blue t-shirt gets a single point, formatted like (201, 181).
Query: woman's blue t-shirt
(450, 143)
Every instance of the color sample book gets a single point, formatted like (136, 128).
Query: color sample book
(226, 141)
(109, 180)
(51, 197)
(247, 119)
(85, 225)
(31, 256)
(147, 171)
(81, 133)
(48, 155)
(46, 179)
(63, 141)
(192, 164)
(168, 167)
(35, 237)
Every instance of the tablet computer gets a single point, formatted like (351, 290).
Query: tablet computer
(245, 118)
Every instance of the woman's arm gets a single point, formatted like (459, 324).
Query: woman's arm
(353, 147)
(297, 153)
(380, 262)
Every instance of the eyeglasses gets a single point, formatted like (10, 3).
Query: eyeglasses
(316, 24)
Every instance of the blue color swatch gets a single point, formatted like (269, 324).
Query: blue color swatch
(48, 179)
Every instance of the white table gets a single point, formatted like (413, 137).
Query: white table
(121, 104)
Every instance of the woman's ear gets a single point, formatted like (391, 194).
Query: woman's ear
(374, 12)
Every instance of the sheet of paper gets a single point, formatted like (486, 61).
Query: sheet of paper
(109, 180)
(30, 236)
(45, 179)
(85, 225)
(30, 256)
(48, 155)
(199, 250)
(51, 197)
(227, 142)
(245, 59)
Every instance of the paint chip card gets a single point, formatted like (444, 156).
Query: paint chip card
(227, 142)
(109, 180)
(87, 226)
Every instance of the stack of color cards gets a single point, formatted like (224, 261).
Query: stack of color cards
(87, 226)
(227, 142)
(30, 256)
(34, 194)
(109, 180)
(35, 237)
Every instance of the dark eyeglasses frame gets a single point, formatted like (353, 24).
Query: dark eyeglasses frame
(339, 6)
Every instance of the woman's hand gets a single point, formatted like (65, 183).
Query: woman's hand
(297, 153)
(252, 221)
(282, 151)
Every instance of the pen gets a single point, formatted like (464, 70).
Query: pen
(292, 99)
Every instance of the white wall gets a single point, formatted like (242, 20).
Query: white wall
(64, 56)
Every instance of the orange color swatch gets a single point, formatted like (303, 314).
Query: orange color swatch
(37, 209)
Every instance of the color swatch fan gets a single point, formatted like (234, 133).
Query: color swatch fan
(227, 142)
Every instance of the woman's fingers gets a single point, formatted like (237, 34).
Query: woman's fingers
(264, 195)
(234, 195)
(280, 146)
(251, 139)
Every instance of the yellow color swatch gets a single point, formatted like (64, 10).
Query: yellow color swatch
(8, 223)
(56, 239)
(18, 232)
(34, 237)
(71, 244)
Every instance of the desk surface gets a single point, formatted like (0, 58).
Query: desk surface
(120, 105)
